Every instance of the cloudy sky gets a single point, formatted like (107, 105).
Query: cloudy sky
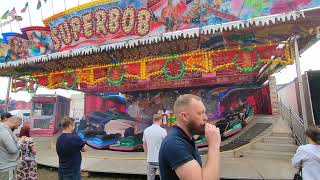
(309, 59)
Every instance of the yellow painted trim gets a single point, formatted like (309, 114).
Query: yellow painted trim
(109, 157)
(124, 158)
(52, 146)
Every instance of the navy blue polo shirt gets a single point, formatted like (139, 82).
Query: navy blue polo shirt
(176, 149)
(68, 148)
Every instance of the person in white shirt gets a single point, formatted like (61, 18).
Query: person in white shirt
(308, 156)
(152, 138)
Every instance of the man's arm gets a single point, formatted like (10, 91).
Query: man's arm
(298, 158)
(164, 133)
(8, 143)
(145, 148)
(191, 170)
(80, 144)
(84, 148)
(144, 142)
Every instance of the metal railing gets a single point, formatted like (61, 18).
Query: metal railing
(294, 122)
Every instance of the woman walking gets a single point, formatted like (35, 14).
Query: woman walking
(27, 169)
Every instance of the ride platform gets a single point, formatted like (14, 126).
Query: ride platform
(134, 163)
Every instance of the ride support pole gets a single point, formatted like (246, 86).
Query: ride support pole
(300, 86)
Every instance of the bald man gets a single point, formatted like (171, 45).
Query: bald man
(179, 157)
(9, 148)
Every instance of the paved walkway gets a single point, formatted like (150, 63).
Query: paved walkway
(245, 167)
(135, 163)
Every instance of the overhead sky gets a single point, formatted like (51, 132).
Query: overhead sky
(309, 59)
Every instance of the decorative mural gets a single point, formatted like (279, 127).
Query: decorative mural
(218, 100)
(117, 122)
(104, 22)
(34, 41)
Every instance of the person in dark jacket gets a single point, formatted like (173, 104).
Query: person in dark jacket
(69, 147)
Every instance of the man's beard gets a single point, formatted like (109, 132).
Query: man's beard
(195, 129)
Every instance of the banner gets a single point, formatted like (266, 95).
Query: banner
(103, 22)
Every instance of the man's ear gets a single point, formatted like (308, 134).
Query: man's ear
(183, 115)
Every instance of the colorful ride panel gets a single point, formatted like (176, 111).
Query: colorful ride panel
(104, 22)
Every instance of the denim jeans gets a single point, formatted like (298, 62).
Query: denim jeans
(151, 170)
(69, 176)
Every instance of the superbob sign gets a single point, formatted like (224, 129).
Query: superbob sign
(101, 22)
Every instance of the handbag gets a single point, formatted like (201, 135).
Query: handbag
(298, 175)
(27, 155)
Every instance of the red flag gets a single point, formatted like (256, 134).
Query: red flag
(25, 8)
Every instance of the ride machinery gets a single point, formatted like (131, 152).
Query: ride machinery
(153, 51)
